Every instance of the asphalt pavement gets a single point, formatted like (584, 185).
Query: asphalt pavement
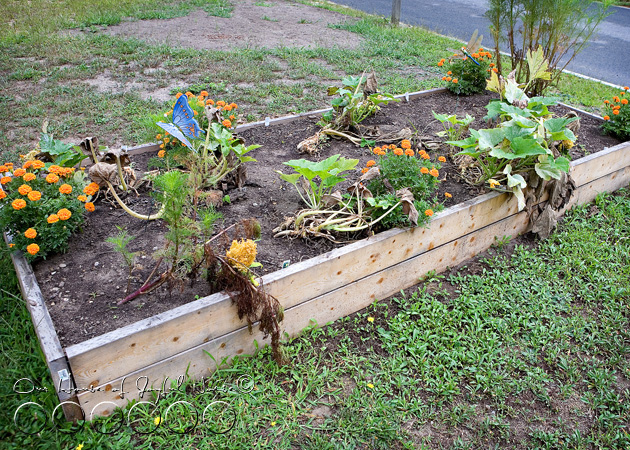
(606, 57)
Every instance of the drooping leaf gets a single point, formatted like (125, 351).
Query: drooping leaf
(514, 94)
(548, 168)
(490, 138)
(520, 197)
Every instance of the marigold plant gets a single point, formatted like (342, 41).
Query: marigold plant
(36, 210)
(617, 116)
(464, 76)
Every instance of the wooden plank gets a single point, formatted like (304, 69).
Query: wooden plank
(582, 112)
(328, 307)
(597, 165)
(174, 331)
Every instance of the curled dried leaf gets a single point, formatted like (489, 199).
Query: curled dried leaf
(331, 199)
(406, 198)
(101, 173)
(112, 154)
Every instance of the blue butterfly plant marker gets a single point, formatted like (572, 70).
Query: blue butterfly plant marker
(468, 54)
(184, 123)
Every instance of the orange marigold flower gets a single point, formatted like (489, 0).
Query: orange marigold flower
(455, 80)
(204, 93)
(440, 64)
(391, 146)
(89, 206)
(495, 70)
(31, 233)
(226, 123)
(232, 117)
(54, 169)
(449, 73)
(9, 165)
(24, 189)
(444, 78)
(161, 153)
(448, 78)
(405, 144)
(3, 194)
(19, 172)
(233, 105)
(481, 49)
(52, 178)
(425, 156)
(447, 195)
(32, 249)
(82, 198)
(5, 180)
(201, 103)
(3, 168)
(209, 102)
(606, 117)
(167, 140)
(37, 164)
(179, 94)
(475, 55)
(442, 159)
(398, 151)
(626, 88)
(221, 103)
(161, 145)
(616, 112)
(616, 99)
(65, 189)
(29, 176)
(195, 112)
(158, 137)
(64, 214)
(18, 204)
(376, 150)
(227, 108)
(607, 101)
(428, 212)
(53, 218)
(27, 165)
(434, 172)
(409, 152)
(189, 94)
(491, 64)
(34, 196)
(616, 107)
(622, 93)
(370, 163)
(624, 101)
(364, 170)
(424, 170)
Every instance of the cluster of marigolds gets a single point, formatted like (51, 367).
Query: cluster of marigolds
(481, 55)
(41, 199)
(198, 103)
(618, 101)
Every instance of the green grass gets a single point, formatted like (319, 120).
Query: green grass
(533, 349)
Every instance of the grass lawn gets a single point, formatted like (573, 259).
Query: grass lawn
(531, 349)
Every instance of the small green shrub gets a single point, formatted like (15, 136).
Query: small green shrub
(617, 116)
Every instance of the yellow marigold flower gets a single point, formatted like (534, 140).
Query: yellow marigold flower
(90, 206)
(405, 144)
(3, 194)
(242, 254)
(64, 214)
(447, 195)
(370, 163)
(158, 137)
(161, 153)
(34, 196)
(82, 198)
(424, 170)
(409, 152)
(37, 164)
(18, 204)
(370, 319)
(79, 447)
(434, 172)
(24, 189)
(428, 212)
(493, 183)
(32, 249)
(226, 123)
(52, 178)
(31, 233)
(29, 176)
(65, 189)
(19, 172)
(52, 218)
(221, 103)
(398, 151)
(370, 385)
(5, 180)
(442, 159)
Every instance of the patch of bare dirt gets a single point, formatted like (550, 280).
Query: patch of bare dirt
(253, 24)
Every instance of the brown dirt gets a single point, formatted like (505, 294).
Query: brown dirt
(86, 283)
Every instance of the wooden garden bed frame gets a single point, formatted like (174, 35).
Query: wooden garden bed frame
(312, 292)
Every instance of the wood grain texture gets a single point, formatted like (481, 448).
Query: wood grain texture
(600, 164)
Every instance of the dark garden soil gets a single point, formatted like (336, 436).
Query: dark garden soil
(83, 286)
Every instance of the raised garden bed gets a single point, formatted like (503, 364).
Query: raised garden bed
(314, 291)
